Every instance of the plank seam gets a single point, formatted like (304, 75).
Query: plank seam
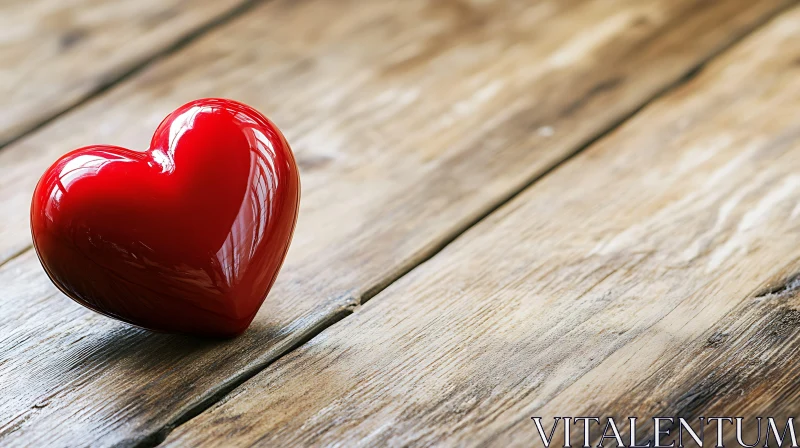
(160, 435)
(112, 81)
(15, 255)
(789, 286)
(786, 288)
(108, 81)
(192, 411)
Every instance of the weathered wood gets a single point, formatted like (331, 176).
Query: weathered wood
(632, 274)
(744, 364)
(410, 121)
(54, 53)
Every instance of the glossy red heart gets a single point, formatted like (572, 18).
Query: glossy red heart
(186, 237)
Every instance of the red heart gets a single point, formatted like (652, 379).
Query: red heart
(186, 237)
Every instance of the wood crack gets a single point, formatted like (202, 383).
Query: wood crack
(786, 288)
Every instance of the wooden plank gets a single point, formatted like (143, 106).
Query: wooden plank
(636, 255)
(54, 53)
(742, 365)
(410, 121)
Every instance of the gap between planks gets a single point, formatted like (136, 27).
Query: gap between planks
(786, 286)
(157, 437)
(16, 255)
(109, 82)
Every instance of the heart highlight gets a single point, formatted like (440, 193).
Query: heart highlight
(186, 237)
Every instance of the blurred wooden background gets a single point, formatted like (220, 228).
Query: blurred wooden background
(511, 208)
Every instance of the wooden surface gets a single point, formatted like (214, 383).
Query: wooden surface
(604, 289)
(411, 121)
(53, 53)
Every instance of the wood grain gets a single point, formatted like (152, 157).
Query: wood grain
(641, 276)
(744, 364)
(410, 121)
(53, 53)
